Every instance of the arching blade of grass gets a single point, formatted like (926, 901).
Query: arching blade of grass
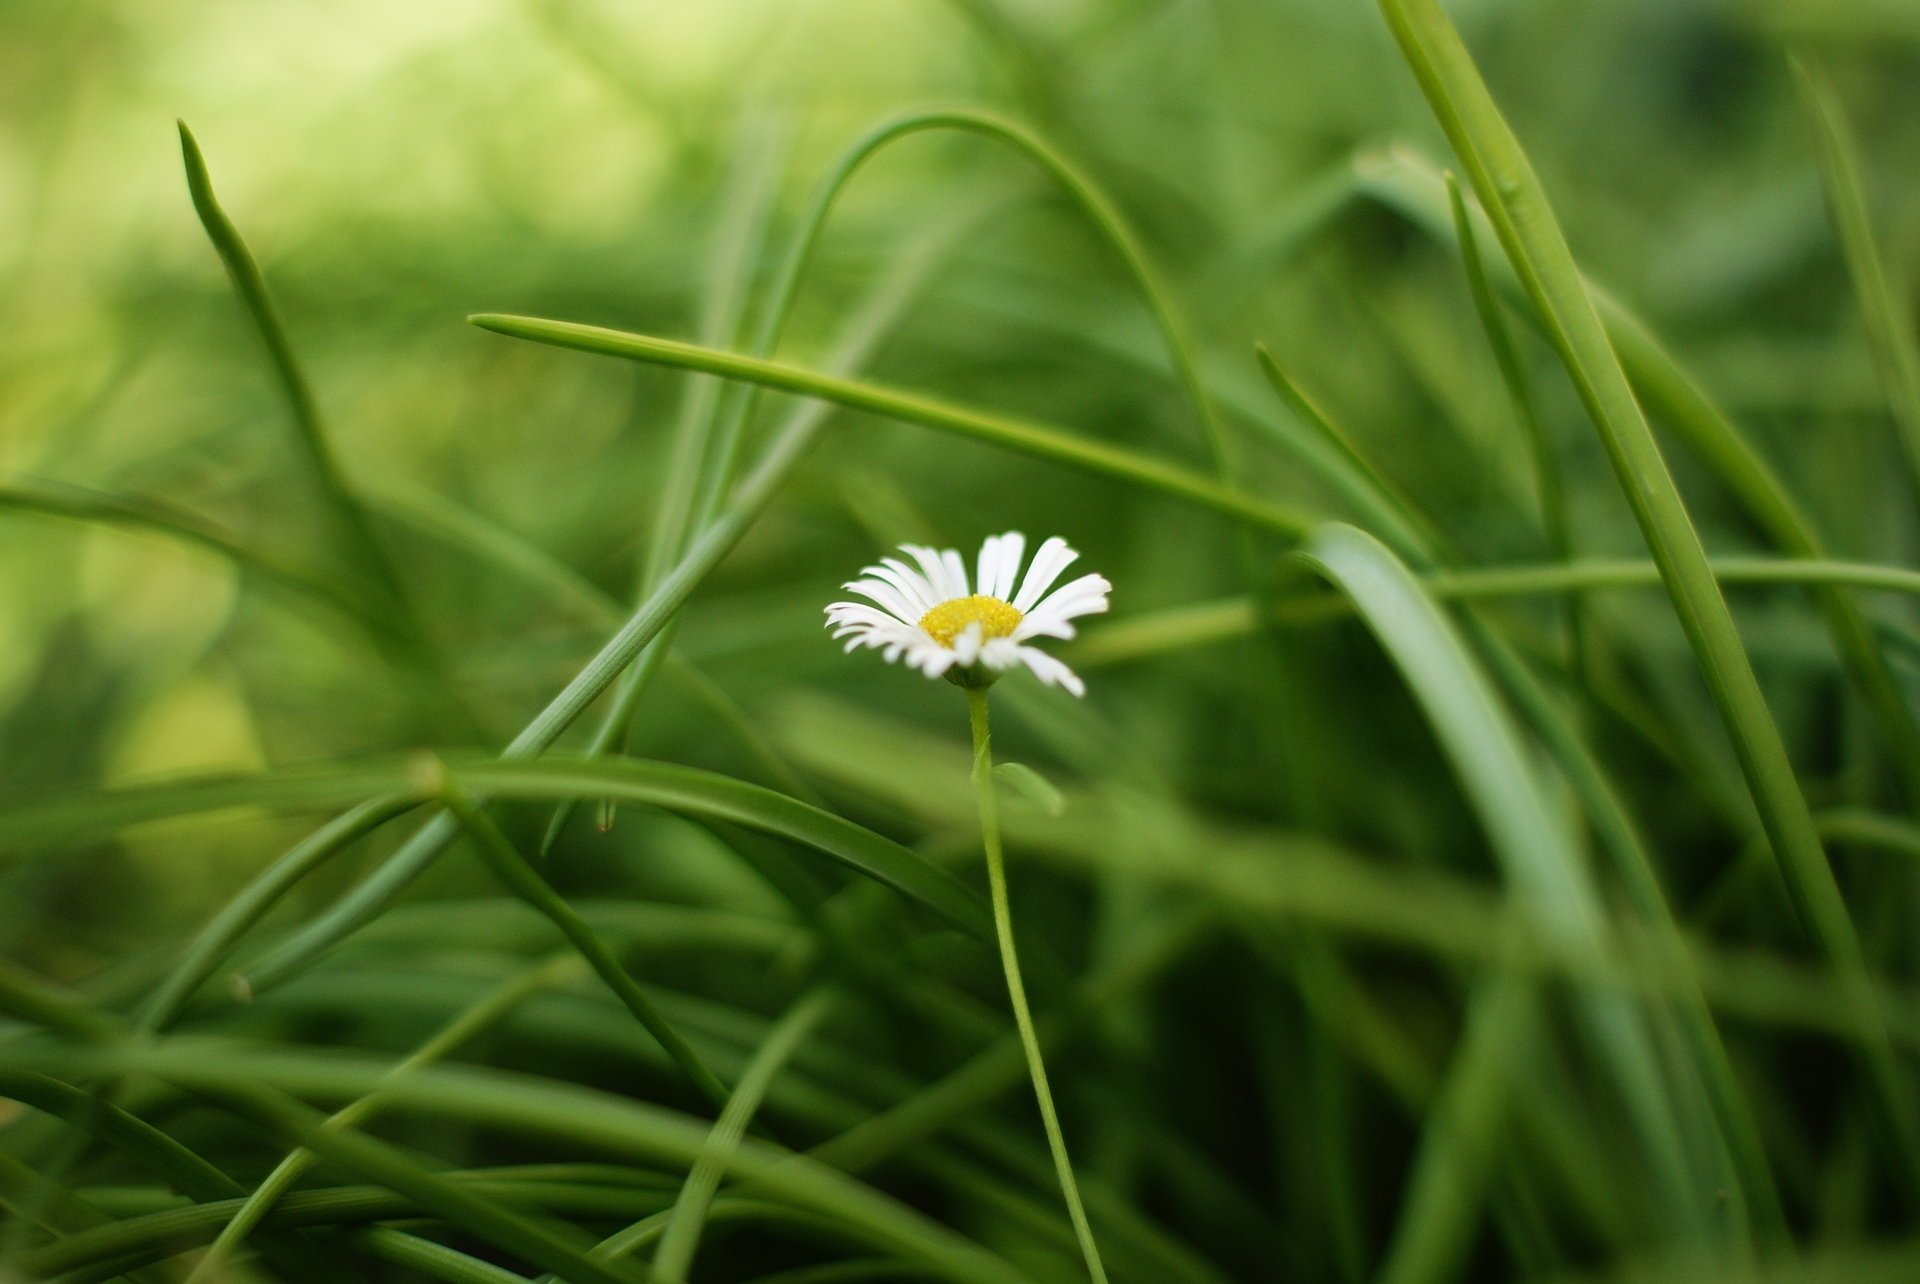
(1524, 222)
(1888, 320)
(324, 601)
(523, 880)
(1417, 190)
(1460, 1137)
(690, 791)
(369, 554)
(1206, 623)
(493, 1008)
(1028, 438)
(141, 514)
(700, 459)
(681, 1238)
(1538, 855)
(522, 1103)
(1550, 494)
(1092, 205)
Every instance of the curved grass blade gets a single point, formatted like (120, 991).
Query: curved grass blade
(1524, 222)
(1033, 439)
(1417, 190)
(1888, 323)
(524, 881)
(137, 513)
(702, 794)
(519, 1102)
(494, 1007)
(1204, 623)
(310, 435)
(678, 1243)
(1542, 863)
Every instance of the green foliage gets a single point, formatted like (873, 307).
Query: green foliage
(438, 841)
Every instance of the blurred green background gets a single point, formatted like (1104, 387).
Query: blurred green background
(395, 167)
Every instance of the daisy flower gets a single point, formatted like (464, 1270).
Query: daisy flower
(971, 634)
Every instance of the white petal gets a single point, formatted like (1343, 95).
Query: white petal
(966, 647)
(857, 613)
(1013, 547)
(956, 571)
(887, 596)
(1054, 557)
(1084, 596)
(1000, 654)
(912, 584)
(936, 571)
(932, 659)
(1051, 671)
(987, 566)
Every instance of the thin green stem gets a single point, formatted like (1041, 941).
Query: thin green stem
(680, 1240)
(1882, 309)
(1016, 988)
(493, 1007)
(1038, 440)
(513, 869)
(1203, 623)
(350, 518)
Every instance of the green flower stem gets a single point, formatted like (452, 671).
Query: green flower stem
(1016, 988)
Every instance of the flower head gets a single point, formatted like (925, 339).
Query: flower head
(971, 634)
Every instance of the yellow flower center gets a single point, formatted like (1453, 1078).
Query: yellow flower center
(950, 619)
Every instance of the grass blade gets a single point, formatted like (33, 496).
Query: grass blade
(702, 794)
(1028, 438)
(1889, 326)
(1514, 200)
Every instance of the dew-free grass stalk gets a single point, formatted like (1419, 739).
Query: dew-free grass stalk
(1524, 221)
(492, 1008)
(977, 718)
(1416, 189)
(1028, 438)
(1883, 310)
(681, 1238)
(520, 877)
(371, 558)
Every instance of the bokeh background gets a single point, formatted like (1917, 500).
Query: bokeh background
(395, 167)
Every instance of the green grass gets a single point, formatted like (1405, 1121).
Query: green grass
(438, 840)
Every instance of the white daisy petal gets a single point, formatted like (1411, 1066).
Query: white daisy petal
(1000, 654)
(1051, 671)
(888, 598)
(987, 567)
(936, 571)
(1013, 548)
(1084, 596)
(966, 647)
(956, 571)
(1054, 557)
(912, 584)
